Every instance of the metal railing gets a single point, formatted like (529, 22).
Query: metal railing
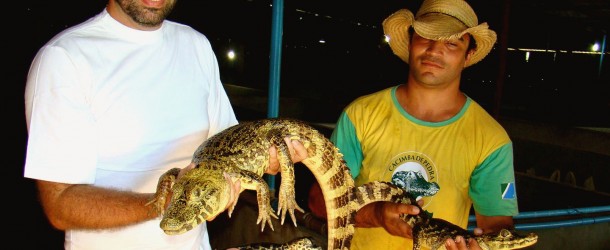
(584, 217)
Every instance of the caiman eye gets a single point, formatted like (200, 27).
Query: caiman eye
(505, 233)
(210, 194)
(196, 194)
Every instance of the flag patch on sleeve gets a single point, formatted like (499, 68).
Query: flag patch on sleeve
(508, 191)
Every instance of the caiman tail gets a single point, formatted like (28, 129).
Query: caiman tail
(341, 197)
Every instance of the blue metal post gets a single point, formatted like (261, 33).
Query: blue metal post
(601, 58)
(277, 23)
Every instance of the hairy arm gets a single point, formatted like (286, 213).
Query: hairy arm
(80, 206)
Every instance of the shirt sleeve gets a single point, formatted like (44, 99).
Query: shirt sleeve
(345, 138)
(61, 129)
(220, 110)
(492, 184)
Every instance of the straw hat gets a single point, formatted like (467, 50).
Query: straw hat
(438, 20)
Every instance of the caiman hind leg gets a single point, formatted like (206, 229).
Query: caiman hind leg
(286, 195)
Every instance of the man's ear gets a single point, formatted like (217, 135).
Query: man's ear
(468, 57)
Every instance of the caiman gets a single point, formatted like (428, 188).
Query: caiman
(242, 153)
(296, 244)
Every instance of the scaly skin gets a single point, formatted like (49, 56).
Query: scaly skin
(242, 152)
(296, 244)
(434, 232)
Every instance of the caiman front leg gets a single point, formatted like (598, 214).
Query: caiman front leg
(252, 181)
(164, 186)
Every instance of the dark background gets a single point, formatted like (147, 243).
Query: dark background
(560, 88)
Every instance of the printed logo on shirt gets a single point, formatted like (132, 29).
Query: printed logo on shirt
(508, 191)
(416, 173)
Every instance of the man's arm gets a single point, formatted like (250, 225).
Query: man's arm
(485, 224)
(81, 206)
(491, 224)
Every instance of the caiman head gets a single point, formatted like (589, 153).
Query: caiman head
(197, 196)
(506, 239)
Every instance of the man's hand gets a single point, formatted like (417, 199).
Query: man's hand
(234, 194)
(180, 174)
(185, 169)
(485, 224)
(460, 244)
(235, 189)
(387, 215)
(298, 152)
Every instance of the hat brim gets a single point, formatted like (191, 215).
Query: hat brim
(435, 26)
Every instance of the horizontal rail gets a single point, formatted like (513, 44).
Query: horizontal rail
(558, 223)
(562, 223)
(557, 212)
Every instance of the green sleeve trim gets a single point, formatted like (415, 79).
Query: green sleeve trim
(492, 184)
(345, 138)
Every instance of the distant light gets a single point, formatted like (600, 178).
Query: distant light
(595, 47)
(386, 39)
(322, 41)
(527, 56)
(231, 55)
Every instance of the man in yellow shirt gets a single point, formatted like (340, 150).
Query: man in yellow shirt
(427, 136)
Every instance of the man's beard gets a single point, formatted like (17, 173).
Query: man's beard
(150, 17)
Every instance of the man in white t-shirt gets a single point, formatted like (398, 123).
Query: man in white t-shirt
(111, 104)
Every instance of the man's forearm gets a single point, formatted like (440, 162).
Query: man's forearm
(89, 207)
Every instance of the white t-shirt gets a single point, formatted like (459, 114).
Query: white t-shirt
(116, 107)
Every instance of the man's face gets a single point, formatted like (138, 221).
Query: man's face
(437, 63)
(145, 12)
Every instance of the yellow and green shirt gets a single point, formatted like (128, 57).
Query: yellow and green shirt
(451, 165)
